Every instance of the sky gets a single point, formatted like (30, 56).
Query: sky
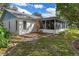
(46, 9)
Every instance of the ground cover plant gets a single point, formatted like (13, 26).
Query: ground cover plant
(4, 37)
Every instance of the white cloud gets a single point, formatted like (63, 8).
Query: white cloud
(21, 4)
(38, 6)
(44, 15)
(23, 10)
(51, 10)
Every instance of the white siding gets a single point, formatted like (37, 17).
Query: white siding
(12, 25)
(29, 27)
(6, 24)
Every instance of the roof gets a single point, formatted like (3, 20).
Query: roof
(26, 16)
(54, 18)
(22, 15)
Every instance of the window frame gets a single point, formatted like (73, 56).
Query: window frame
(24, 24)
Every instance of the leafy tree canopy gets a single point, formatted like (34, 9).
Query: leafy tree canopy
(69, 11)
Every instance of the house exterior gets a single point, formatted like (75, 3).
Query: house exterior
(21, 23)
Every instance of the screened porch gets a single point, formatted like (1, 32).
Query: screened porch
(53, 25)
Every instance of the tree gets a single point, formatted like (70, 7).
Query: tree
(70, 12)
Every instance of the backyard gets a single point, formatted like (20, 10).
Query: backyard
(52, 45)
(65, 43)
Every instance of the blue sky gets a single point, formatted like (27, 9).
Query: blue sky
(46, 9)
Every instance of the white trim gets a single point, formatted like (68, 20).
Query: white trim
(52, 31)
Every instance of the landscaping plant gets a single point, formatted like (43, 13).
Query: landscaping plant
(4, 37)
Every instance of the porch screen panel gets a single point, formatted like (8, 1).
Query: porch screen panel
(47, 24)
(58, 24)
(51, 24)
(63, 25)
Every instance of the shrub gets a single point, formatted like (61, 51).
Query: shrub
(4, 37)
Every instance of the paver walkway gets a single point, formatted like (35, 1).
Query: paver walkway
(27, 37)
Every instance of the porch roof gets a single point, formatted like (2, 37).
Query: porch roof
(54, 18)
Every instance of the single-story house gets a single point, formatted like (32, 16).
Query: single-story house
(21, 23)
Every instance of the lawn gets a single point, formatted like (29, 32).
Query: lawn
(54, 45)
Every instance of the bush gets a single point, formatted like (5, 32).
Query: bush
(4, 37)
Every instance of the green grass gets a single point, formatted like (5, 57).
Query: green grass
(59, 45)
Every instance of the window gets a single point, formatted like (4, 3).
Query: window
(24, 24)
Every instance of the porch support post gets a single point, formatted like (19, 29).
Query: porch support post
(65, 24)
(61, 25)
(45, 24)
(55, 26)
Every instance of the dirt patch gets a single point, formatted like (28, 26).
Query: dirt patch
(76, 44)
(2, 51)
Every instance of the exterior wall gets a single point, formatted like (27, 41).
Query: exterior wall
(13, 26)
(9, 22)
(29, 27)
(6, 24)
(10, 25)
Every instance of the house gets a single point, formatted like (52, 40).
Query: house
(21, 23)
